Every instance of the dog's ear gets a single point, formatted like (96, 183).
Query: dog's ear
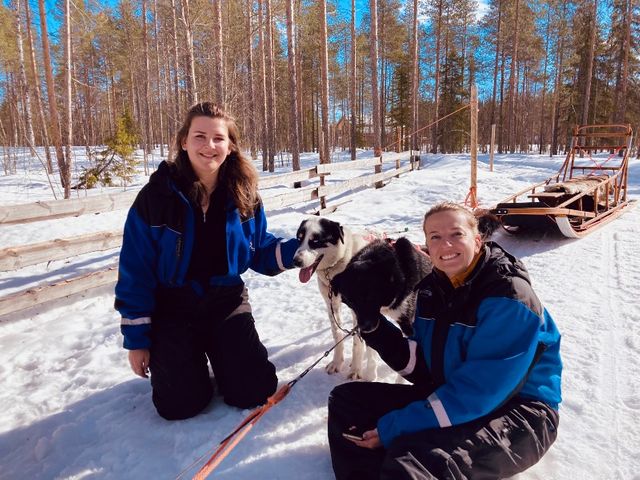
(488, 223)
(341, 233)
(414, 264)
(301, 228)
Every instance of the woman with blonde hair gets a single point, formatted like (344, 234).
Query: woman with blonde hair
(483, 364)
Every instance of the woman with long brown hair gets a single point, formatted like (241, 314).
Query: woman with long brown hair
(191, 232)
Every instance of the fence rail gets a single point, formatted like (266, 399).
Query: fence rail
(38, 211)
(14, 258)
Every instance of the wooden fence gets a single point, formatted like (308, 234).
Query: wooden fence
(15, 258)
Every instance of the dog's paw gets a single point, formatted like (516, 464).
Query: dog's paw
(333, 367)
(355, 375)
(369, 375)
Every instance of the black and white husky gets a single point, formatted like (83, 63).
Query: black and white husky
(326, 247)
(382, 278)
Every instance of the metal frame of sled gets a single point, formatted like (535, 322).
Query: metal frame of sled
(586, 193)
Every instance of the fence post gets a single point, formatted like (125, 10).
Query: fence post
(474, 147)
(493, 144)
(378, 168)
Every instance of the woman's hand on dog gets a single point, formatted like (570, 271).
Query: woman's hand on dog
(139, 361)
(370, 439)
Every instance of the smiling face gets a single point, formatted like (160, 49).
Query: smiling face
(452, 241)
(207, 144)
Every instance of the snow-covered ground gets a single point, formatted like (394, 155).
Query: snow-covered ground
(70, 408)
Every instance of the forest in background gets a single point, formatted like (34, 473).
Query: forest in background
(314, 75)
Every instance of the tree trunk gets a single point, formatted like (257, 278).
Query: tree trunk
(414, 83)
(219, 56)
(192, 91)
(495, 65)
(352, 81)
(159, 82)
(38, 90)
(375, 102)
(270, 84)
(382, 71)
(263, 103)
(65, 172)
(541, 136)
(174, 125)
(294, 135)
(250, 81)
(146, 106)
(622, 74)
(325, 152)
(436, 90)
(503, 57)
(513, 82)
(589, 73)
(555, 109)
(24, 85)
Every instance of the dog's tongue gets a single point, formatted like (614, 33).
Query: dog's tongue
(305, 274)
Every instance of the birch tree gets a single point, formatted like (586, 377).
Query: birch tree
(265, 133)
(415, 78)
(218, 53)
(192, 90)
(51, 92)
(294, 135)
(270, 84)
(24, 86)
(353, 80)
(251, 100)
(513, 82)
(375, 102)
(146, 106)
(65, 170)
(37, 89)
(590, 59)
(325, 152)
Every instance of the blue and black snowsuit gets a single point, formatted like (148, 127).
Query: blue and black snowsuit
(185, 312)
(485, 368)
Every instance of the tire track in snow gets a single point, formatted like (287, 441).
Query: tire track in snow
(618, 369)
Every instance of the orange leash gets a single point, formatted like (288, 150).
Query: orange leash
(231, 440)
(239, 433)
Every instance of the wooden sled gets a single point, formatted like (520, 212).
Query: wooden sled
(589, 190)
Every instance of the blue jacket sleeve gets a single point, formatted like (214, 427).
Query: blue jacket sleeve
(137, 281)
(499, 354)
(272, 254)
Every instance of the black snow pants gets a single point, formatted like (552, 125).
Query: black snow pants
(188, 330)
(499, 445)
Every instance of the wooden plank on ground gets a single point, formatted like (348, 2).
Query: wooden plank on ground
(37, 295)
(33, 212)
(13, 258)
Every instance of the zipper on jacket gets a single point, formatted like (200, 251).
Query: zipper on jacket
(179, 243)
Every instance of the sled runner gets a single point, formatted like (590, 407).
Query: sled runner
(589, 190)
